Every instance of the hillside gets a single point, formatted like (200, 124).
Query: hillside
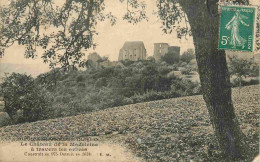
(177, 128)
(30, 69)
(76, 92)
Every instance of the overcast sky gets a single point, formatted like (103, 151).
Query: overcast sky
(112, 38)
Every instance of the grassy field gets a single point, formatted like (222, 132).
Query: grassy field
(175, 129)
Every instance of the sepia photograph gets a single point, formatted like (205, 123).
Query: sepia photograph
(129, 80)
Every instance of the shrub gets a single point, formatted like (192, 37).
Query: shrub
(185, 87)
(127, 62)
(4, 119)
(171, 58)
(254, 72)
(164, 70)
(240, 68)
(174, 67)
(236, 83)
(80, 78)
(101, 82)
(186, 71)
(20, 93)
(140, 81)
(188, 55)
(183, 64)
(153, 95)
(128, 101)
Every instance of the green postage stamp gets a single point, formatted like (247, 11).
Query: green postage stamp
(237, 28)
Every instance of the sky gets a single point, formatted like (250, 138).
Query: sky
(111, 38)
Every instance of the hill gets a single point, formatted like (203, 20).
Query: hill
(75, 92)
(31, 69)
(177, 128)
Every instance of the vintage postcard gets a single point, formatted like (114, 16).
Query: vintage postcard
(129, 80)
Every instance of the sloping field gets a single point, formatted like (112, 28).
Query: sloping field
(175, 129)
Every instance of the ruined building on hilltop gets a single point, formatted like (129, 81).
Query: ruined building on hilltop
(160, 49)
(133, 51)
(94, 59)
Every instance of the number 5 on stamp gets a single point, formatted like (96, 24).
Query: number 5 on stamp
(237, 28)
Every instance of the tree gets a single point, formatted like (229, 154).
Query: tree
(149, 77)
(187, 56)
(21, 94)
(186, 70)
(239, 68)
(49, 79)
(75, 23)
(25, 21)
(203, 19)
(151, 58)
(171, 58)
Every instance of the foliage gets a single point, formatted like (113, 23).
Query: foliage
(171, 16)
(255, 71)
(185, 87)
(127, 62)
(204, 20)
(74, 23)
(49, 79)
(187, 56)
(237, 83)
(170, 58)
(183, 64)
(26, 21)
(151, 58)
(186, 70)
(5, 119)
(239, 67)
(77, 92)
(21, 94)
(176, 129)
(75, 34)
(174, 67)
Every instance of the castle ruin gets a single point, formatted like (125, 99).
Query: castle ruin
(133, 51)
(160, 49)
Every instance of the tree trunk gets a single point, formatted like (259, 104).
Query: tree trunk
(215, 80)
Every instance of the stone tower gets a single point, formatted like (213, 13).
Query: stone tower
(160, 49)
